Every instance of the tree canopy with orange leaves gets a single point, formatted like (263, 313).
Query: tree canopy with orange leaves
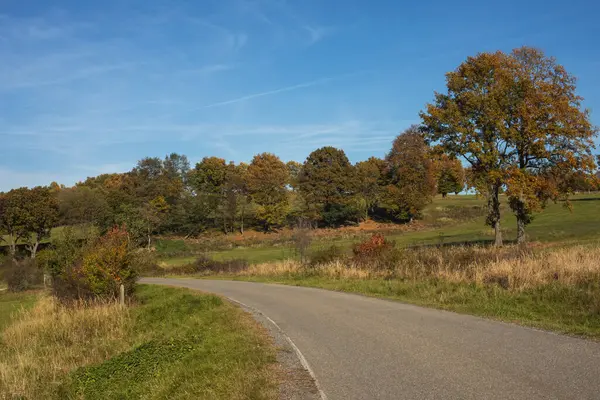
(517, 120)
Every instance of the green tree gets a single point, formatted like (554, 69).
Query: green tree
(369, 181)
(28, 215)
(83, 205)
(266, 179)
(13, 219)
(238, 184)
(176, 166)
(450, 175)
(410, 172)
(154, 177)
(41, 215)
(154, 214)
(294, 170)
(119, 192)
(208, 181)
(326, 183)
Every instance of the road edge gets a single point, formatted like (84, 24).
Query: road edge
(297, 351)
(257, 313)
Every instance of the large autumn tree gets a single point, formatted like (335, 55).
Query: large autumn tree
(326, 183)
(411, 176)
(464, 122)
(515, 118)
(266, 178)
(551, 136)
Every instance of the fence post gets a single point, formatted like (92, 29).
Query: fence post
(122, 295)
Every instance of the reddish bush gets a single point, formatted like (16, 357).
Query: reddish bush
(375, 253)
(373, 246)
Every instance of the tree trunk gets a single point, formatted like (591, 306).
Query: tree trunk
(521, 237)
(33, 249)
(522, 220)
(497, 234)
(12, 246)
(494, 213)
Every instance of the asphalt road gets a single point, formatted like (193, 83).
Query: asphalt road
(364, 348)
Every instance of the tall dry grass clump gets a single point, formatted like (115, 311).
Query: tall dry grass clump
(510, 267)
(579, 265)
(48, 341)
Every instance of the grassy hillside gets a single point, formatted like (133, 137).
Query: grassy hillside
(171, 344)
(455, 219)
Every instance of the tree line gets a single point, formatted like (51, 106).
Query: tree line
(168, 196)
(513, 120)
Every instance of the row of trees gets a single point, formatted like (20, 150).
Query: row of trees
(168, 196)
(514, 119)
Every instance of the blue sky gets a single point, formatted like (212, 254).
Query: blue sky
(91, 87)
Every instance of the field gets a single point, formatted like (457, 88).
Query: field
(170, 344)
(444, 261)
(453, 220)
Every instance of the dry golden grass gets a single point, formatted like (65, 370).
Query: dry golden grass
(568, 266)
(510, 266)
(49, 340)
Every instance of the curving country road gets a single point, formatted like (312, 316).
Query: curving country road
(365, 348)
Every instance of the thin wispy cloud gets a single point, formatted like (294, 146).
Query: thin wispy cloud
(69, 76)
(303, 85)
(318, 33)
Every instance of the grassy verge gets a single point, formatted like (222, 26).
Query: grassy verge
(172, 344)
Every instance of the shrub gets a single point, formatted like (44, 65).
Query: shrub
(94, 270)
(109, 264)
(376, 253)
(21, 275)
(327, 255)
